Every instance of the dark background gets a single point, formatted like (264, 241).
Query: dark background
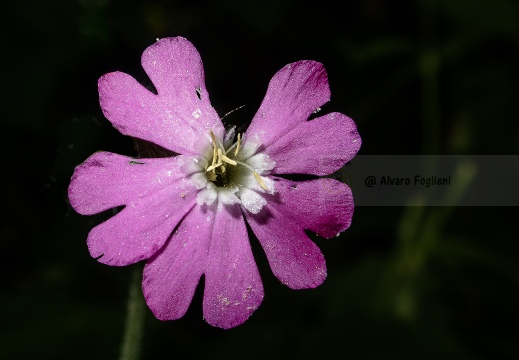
(418, 76)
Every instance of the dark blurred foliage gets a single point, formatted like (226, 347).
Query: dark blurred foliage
(418, 76)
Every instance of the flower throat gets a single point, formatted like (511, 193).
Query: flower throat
(224, 170)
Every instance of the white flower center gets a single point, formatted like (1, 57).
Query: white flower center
(232, 172)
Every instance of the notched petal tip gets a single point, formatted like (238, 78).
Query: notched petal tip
(98, 257)
(293, 94)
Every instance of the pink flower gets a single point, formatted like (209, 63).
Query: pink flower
(186, 214)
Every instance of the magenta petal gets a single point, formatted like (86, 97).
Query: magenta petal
(156, 195)
(175, 68)
(318, 147)
(171, 276)
(294, 259)
(136, 112)
(106, 180)
(233, 287)
(141, 228)
(295, 92)
(180, 117)
(324, 206)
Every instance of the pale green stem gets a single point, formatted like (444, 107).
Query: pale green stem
(429, 68)
(418, 228)
(131, 345)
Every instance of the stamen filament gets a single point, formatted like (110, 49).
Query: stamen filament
(230, 148)
(227, 160)
(255, 173)
(238, 145)
(220, 157)
(260, 180)
(245, 165)
(214, 153)
(213, 167)
(219, 163)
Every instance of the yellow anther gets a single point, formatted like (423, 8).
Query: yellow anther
(215, 163)
(213, 137)
(226, 159)
(237, 145)
(259, 180)
(220, 159)
(213, 167)
(214, 152)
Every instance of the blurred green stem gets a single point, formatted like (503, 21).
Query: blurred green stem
(131, 346)
(419, 228)
(429, 68)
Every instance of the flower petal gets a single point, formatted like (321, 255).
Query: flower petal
(324, 206)
(233, 287)
(176, 69)
(171, 276)
(294, 259)
(107, 180)
(156, 196)
(318, 147)
(140, 229)
(180, 115)
(295, 92)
